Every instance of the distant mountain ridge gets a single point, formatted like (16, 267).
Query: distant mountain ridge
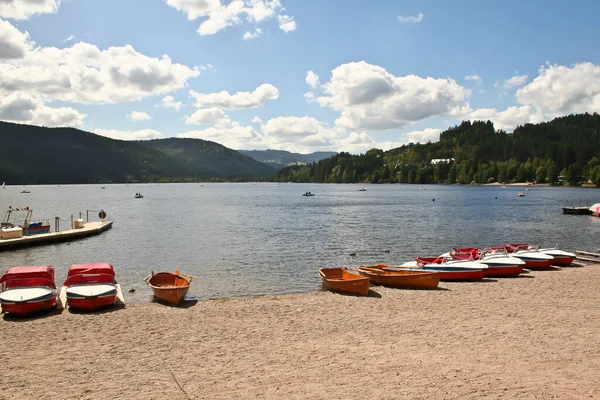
(281, 158)
(39, 155)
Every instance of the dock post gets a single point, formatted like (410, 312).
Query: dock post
(87, 215)
(56, 224)
(72, 226)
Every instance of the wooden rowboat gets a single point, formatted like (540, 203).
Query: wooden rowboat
(341, 281)
(401, 279)
(169, 288)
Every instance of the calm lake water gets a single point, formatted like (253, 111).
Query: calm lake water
(247, 239)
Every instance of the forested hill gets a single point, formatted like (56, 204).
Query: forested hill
(36, 155)
(474, 152)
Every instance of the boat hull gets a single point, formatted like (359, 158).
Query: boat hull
(340, 281)
(531, 263)
(402, 279)
(169, 288)
(503, 271)
(30, 306)
(563, 260)
(78, 297)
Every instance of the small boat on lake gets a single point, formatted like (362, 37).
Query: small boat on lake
(138, 196)
(362, 190)
(403, 279)
(168, 287)
(339, 280)
(308, 194)
(520, 194)
(91, 286)
(26, 290)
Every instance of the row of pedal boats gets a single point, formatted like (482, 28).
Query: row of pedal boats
(88, 287)
(460, 264)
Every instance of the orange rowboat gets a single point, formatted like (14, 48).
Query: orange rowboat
(169, 288)
(341, 281)
(401, 279)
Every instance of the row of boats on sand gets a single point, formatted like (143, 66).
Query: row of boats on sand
(88, 287)
(460, 264)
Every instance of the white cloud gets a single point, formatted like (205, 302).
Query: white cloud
(252, 35)
(23, 9)
(515, 81)
(205, 116)
(476, 78)
(169, 102)
(508, 119)
(257, 120)
(13, 43)
(370, 98)
(144, 134)
(228, 133)
(424, 136)
(412, 19)
(23, 108)
(560, 90)
(71, 37)
(239, 100)
(85, 74)
(286, 23)
(312, 79)
(310, 97)
(138, 116)
(218, 16)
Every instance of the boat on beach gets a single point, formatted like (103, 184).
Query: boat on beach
(403, 279)
(169, 288)
(561, 257)
(29, 289)
(499, 264)
(533, 259)
(91, 286)
(450, 270)
(339, 280)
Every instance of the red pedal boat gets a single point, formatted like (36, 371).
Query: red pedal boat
(91, 286)
(26, 290)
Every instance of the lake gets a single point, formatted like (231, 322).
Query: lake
(244, 239)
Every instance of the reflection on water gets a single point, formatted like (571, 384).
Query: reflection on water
(249, 239)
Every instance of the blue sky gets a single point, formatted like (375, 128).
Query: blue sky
(296, 75)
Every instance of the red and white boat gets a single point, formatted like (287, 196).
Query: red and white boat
(561, 257)
(26, 290)
(499, 264)
(450, 270)
(533, 258)
(91, 286)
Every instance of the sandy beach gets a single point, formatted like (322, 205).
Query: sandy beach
(533, 337)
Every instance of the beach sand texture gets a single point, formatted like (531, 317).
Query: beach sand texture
(533, 337)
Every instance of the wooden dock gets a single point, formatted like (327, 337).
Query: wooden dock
(576, 210)
(89, 229)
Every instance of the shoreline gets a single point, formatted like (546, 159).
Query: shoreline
(510, 338)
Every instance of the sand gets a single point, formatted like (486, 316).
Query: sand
(533, 337)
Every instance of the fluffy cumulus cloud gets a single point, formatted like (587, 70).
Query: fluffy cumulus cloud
(85, 74)
(370, 98)
(252, 35)
(144, 134)
(312, 79)
(236, 101)
(13, 43)
(138, 116)
(515, 81)
(560, 90)
(23, 108)
(23, 9)
(230, 134)
(508, 119)
(257, 120)
(424, 136)
(205, 116)
(415, 19)
(286, 23)
(219, 15)
(169, 102)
